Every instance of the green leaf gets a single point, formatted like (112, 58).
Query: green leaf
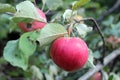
(54, 4)
(97, 54)
(114, 76)
(90, 60)
(110, 77)
(6, 8)
(2, 60)
(79, 3)
(67, 14)
(4, 26)
(26, 11)
(82, 29)
(37, 74)
(53, 70)
(13, 26)
(27, 43)
(48, 77)
(13, 54)
(109, 21)
(50, 32)
(115, 29)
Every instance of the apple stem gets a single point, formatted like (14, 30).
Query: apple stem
(9, 13)
(43, 6)
(70, 30)
(47, 11)
(34, 2)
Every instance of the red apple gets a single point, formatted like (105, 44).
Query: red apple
(111, 39)
(26, 27)
(118, 40)
(69, 53)
(97, 76)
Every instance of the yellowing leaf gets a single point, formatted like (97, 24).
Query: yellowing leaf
(79, 3)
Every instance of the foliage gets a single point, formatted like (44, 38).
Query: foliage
(26, 55)
(79, 3)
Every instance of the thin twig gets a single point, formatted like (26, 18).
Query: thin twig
(100, 32)
(9, 13)
(70, 29)
(47, 11)
(35, 3)
(98, 67)
(43, 6)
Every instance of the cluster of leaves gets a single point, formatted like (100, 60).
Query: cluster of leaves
(18, 52)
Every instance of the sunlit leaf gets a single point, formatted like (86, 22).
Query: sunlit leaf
(26, 11)
(48, 77)
(37, 74)
(83, 29)
(67, 14)
(53, 70)
(50, 32)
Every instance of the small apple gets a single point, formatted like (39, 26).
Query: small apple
(118, 40)
(97, 76)
(111, 39)
(26, 27)
(69, 53)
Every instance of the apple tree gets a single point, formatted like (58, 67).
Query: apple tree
(58, 40)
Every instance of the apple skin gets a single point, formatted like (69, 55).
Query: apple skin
(69, 53)
(34, 25)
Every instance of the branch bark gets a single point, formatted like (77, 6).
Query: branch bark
(99, 67)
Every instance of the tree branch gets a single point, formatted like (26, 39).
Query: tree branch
(101, 35)
(98, 67)
(115, 6)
